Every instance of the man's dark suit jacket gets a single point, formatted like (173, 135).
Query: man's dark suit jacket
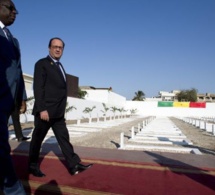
(50, 90)
(12, 88)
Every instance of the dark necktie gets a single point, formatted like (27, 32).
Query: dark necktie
(9, 35)
(11, 43)
(60, 69)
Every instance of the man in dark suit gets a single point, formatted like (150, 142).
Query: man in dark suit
(50, 92)
(12, 91)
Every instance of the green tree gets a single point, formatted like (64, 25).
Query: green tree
(69, 108)
(89, 110)
(187, 95)
(139, 96)
(81, 94)
(114, 109)
(105, 109)
(133, 111)
(121, 110)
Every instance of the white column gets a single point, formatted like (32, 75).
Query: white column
(122, 140)
(132, 132)
(213, 129)
(146, 121)
(90, 120)
(201, 124)
(205, 126)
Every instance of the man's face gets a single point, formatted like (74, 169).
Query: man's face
(56, 49)
(7, 12)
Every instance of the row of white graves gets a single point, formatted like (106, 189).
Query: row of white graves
(158, 134)
(77, 130)
(207, 124)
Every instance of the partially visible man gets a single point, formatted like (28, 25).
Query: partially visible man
(12, 91)
(50, 93)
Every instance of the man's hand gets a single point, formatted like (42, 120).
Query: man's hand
(44, 115)
(23, 106)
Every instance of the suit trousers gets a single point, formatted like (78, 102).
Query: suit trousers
(9, 182)
(16, 122)
(60, 130)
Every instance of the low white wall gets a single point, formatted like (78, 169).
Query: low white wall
(151, 108)
(80, 105)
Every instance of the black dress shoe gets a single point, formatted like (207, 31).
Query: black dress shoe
(23, 139)
(83, 167)
(74, 171)
(36, 172)
(79, 168)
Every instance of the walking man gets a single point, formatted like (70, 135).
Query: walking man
(50, 92)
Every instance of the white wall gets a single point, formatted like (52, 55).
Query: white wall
(144, 108)
(105, 96)
(117, 100)
(151, 108)
(80, 106)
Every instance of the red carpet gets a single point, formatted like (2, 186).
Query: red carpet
(108, 177)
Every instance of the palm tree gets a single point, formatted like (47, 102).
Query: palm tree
(121, 110)
(133, 111)
(105, 110)
(139, 96)
(69, 108)
(114, 109)
(89, 110)
(29, 102)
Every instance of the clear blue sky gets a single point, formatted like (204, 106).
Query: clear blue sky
(129, 45)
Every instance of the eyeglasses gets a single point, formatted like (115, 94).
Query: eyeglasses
(57, 47)
(11, 8)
